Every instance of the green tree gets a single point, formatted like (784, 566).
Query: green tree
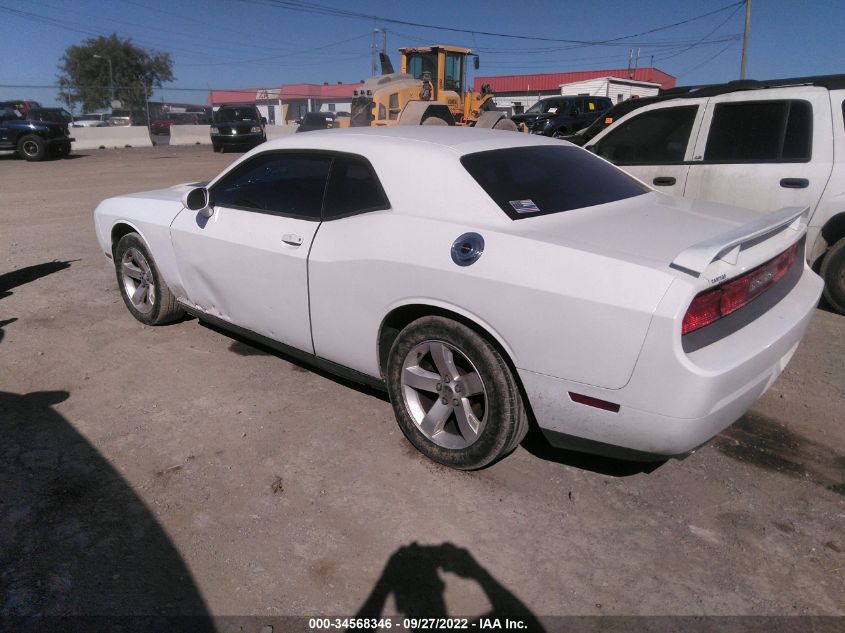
(84, 78)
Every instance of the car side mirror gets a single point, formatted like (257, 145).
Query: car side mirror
(264, 120)
(198, 200)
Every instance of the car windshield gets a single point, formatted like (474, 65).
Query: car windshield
(615, 113)
(90, 117)
(51, 115)
(543, 179)
(542, 107)
(231, 115)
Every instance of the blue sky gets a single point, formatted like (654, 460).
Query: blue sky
(260, 43)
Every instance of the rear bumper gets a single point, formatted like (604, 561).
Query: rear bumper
(677, 401)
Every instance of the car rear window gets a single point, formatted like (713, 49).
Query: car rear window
(530, 181)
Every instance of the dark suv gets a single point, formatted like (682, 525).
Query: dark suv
(559, 116)
(239, 126)
(34, 133)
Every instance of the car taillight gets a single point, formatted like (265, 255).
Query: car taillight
(713, 304)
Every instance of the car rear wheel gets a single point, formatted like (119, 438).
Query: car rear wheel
(833, 273)
(32, 147)
(143, 290)
(453, 394)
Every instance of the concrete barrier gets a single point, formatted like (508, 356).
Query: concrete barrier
(110, 137)
(190, 135)
(278, 131)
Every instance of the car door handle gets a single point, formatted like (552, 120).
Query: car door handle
(293, 240)
(794, 183)
(664, 181)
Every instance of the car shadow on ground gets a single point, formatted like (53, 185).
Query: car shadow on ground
(534, 442)
(75, 540)
(412, 576)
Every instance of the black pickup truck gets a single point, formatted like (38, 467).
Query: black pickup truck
(35, 133)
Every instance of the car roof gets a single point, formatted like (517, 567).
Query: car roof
(453, 140)
(414, 162)
(831, 82)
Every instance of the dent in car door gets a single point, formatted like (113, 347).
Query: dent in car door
(248, 262)
(654, 145)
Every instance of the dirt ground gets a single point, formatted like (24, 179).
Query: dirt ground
(179, 470)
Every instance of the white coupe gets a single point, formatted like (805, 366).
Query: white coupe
(485, 279)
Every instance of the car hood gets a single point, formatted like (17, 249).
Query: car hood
(651, 229)
(532, 118)
(172, 194)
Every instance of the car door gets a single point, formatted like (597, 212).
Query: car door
(248, 263)
(344, 316)
(654, 144)
(764, 149)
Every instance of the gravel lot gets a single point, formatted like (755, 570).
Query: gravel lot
(180, 470)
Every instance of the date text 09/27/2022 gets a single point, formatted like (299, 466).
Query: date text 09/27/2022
(416, 624)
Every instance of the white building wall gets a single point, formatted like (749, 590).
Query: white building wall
(336, 105)
(616, 88)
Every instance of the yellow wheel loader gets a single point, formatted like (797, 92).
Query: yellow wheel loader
(431, 89)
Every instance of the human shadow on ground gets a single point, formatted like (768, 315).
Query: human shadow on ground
(75, 540)
(16, 278)
(412, 576)
(21, 276)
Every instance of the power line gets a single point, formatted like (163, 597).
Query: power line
(310, 7)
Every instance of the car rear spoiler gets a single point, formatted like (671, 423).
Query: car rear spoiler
(695, 259)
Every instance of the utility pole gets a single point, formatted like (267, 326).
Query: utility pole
(745, 39)
(375, 64)
(111, 77)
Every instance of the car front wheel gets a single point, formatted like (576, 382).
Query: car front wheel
(143, 290)
(32, 147)
(453, 394)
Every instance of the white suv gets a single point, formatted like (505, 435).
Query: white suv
(756, 144)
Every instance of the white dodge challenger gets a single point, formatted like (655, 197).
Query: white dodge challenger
(485, 279)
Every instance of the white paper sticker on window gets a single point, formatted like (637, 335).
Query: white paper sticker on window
(524, 206)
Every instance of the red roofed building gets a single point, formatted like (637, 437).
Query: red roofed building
(289, 102)
(520, 92)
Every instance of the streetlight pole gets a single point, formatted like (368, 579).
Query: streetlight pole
(745, 40)
(111, 75)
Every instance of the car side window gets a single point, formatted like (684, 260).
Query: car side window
(761, 131)
(287, 184)
(353, 188)
(657, 136)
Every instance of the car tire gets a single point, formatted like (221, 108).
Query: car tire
(453, 394)
(215, 147)
(32, 147)
(833, 273)
(144, 292)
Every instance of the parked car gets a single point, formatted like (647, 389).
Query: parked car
(559, 116)
(237, 126)
(123, 118)
(97, 119)
(316, 121)
(35, 134)
(764, 144)
(533, 277)
(162, 125)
